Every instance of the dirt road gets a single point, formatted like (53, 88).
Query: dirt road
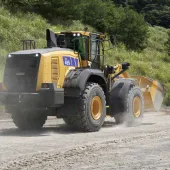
(114, 147)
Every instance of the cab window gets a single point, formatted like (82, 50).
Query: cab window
(95, 51)
(77, 43)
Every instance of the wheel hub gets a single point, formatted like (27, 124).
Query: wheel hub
(96, 107)
(137, 106)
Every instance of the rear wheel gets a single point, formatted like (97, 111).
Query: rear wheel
(90, 113)
(27, 121)
(134, 108)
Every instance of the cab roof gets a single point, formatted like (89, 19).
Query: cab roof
(82, 33)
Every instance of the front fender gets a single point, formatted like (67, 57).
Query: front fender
(76, 80)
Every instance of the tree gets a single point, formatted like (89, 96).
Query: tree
(61, 9)
(128, 26)
(104, 16)
(157, 15)
(133, 30)
(156, 12)
(95, 14)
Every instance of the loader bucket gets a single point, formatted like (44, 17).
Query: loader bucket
(153, 92)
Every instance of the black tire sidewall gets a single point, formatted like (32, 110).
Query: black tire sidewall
(95, 91)
(130, 115)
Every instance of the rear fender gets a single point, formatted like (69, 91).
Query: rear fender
(118, 95)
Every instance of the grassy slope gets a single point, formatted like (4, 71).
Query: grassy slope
(152, 62)
(13, 29)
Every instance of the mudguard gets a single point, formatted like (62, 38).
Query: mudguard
(118, 95)
(76, 80)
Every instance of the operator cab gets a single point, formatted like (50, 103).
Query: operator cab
(87, 45)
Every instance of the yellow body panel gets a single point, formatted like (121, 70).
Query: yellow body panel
(52, 68)
(118, 68)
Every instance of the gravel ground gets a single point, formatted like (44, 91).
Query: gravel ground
(113, 147)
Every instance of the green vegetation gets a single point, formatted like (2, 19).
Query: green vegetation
(152, 62)
(126, 24)
(14, 28)
(157, 12)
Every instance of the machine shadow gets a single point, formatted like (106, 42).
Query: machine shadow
(47, 130)
(147, 124)
(108, 124)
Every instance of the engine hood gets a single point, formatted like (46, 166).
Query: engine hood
(41, 51)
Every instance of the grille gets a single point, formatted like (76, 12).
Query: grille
(21, 73)
(54, 69)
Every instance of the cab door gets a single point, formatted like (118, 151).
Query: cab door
(95, 51)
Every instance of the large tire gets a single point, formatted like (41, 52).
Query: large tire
(90, 114)
(27, 121)
(134, 108)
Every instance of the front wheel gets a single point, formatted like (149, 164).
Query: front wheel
(90, 113)
(134, 108)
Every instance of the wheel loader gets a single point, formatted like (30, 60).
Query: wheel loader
(69, 79)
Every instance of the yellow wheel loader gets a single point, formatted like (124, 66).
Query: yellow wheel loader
(69, 80)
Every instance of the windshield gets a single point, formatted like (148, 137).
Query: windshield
(73, 41)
